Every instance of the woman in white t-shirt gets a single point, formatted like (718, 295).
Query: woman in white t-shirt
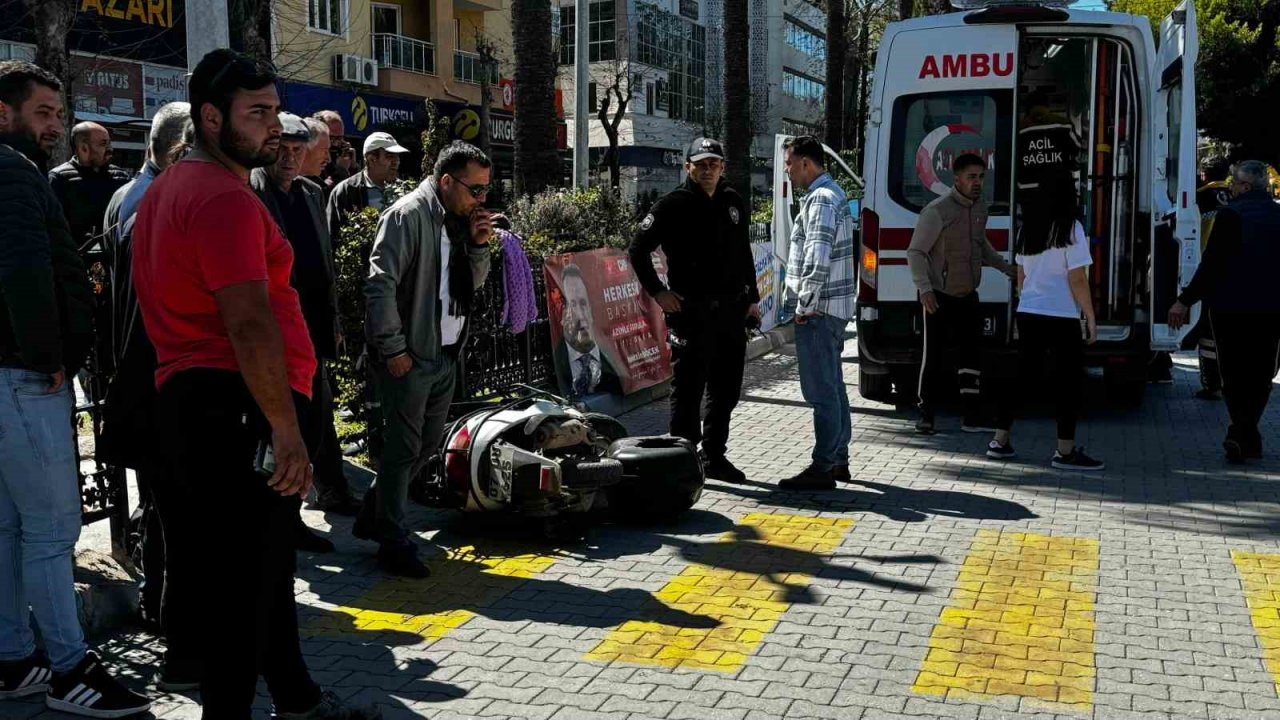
(1053, 260)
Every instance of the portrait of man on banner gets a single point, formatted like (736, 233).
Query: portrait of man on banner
(606, 335)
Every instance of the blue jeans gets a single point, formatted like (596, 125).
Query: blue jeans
(39, 519)
(819, 342)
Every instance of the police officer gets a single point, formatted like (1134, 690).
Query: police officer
(710, 297)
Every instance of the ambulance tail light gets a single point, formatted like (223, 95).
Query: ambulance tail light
(868, 256)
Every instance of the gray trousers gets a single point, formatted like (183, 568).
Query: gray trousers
(414, 409)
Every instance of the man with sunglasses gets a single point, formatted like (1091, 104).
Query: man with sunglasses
(430, 255)
(235, 369)
(711, 296)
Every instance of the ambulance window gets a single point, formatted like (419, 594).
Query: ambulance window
(931, 130)
(1175, 139)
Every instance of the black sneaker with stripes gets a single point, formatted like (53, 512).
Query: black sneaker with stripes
(19, 678)
(90, 691)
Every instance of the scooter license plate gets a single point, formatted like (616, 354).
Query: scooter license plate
(502, 466)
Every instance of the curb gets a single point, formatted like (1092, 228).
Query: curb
(774, 339)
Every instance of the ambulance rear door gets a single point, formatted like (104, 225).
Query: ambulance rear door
(1175, 219)
(944, 91)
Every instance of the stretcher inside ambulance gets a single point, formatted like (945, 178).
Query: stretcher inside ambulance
(1032, 89)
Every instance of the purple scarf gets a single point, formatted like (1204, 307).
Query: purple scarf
(521, 305)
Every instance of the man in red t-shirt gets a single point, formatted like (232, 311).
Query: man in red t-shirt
(235, 365)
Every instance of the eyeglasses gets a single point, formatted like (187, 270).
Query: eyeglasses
(475, 190)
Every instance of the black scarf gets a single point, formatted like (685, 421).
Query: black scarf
(461, 285)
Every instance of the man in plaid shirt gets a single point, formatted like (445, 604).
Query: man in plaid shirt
(821, 283)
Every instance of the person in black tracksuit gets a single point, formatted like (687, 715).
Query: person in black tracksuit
(1234, 281)
(709, 297)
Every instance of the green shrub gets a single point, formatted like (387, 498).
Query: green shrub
(560, 221)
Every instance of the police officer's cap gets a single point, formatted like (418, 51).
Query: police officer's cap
(703, 148)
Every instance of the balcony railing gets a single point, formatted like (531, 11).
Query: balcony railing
(404, 53)
(467, 67)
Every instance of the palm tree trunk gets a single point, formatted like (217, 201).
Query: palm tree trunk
(737, 96)
(837, 48)
(537, 162)
(906, 9)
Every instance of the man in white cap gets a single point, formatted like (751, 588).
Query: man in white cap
(366, 188)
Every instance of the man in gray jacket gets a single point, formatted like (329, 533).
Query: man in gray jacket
(430, 255)
(947, 254)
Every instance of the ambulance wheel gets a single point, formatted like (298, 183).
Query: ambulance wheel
(875, 387)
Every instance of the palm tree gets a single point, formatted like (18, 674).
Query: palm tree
(52, 20)
(906, 9)
(737, 96)
(537, 163)
(837, 48)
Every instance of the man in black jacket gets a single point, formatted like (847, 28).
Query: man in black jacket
(46, 316)
(1234, 281)
(297, 205)
(84, 185)
(702, 226)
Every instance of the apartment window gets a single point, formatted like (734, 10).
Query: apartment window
(386, 20)
(601, 31)
(327, 16)
(593, 101)
(806, 40)
(803, 87)
(797, 128)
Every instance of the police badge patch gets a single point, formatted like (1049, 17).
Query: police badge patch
(733, 215)
(647, 222)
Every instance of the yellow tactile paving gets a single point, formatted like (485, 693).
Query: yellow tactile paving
(431, 608)
(1020, 622)
(743, 584)
(1260, 575)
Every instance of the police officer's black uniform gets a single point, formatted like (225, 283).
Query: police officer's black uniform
(710, 265)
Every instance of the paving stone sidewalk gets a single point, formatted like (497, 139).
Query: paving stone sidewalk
(939, 584)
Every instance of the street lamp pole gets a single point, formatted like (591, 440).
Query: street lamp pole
(581, 81)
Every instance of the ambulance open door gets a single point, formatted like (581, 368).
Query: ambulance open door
(1175, 219)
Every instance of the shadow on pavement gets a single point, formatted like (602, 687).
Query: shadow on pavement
(894, 503)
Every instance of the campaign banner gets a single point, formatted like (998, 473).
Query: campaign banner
(768, 282)
(362, 112)
(161, 86)
(607, 334)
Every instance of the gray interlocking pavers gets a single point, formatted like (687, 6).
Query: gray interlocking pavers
(1173, 633)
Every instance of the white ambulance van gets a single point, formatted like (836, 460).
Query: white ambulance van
(988, 80)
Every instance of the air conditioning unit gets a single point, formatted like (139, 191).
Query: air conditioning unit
(355, 69)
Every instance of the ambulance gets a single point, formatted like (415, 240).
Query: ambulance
(1020, 84)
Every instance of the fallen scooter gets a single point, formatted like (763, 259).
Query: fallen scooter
(539, 458)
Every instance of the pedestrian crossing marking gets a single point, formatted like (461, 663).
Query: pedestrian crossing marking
(1260, 575)
(1020, 622)
(746, 581)
(465, 579)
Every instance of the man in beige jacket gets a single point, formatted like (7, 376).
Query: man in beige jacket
(948, 251)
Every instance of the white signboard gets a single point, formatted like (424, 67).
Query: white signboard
(161, 86)
(769, 283)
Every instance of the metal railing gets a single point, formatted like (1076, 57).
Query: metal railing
(468, 67)
(404, 53)
(497, 358)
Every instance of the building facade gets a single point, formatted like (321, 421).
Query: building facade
(667, 57)
(375, 62)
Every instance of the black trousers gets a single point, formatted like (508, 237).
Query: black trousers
(1040, 335)
(230, 539)
(331, 482)
(708, 358)
(952, 342)
(1248, 357)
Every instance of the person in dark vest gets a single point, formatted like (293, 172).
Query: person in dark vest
(297, 205)
(1234, 282)
(710, 293)
(85, 183)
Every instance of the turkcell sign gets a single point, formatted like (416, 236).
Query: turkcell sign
(362, 113)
